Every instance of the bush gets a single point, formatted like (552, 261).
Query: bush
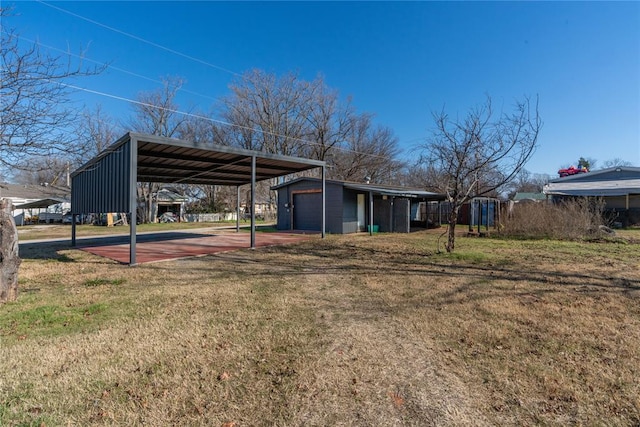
(569, 219)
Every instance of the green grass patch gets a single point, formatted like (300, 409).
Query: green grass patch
(49, 320)
(468, 256)
(101, 281)
(11, 415)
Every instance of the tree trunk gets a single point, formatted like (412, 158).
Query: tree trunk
(9, 259)
(453, 220)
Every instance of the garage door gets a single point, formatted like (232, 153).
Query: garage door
(307, 211)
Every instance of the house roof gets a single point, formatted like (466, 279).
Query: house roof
(378, 189)
(616, 181)
(529, 196)
(166, 195)
(41, 203)
(33, 192)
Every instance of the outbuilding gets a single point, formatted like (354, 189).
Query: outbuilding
(353, 207)
(37, 203)
(108, 182)
(619, 187)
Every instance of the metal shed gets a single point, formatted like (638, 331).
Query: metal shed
(350, 207)
(108, 182)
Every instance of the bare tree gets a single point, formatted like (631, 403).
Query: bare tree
(329, 121)
(368, 151)
(202, 129)
(44, 171)
(267, 113)
(156, 113)
(35, 114)
(481, 152)
(96, 131)
(35, 101)
(423, 175)
(289, 116)
(527, 182)
(616, 162)
(9, 259)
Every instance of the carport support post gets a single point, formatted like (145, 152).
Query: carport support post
(253, 202)
(73, 229)
(370, 213)
(133, 198)
(237, 209)
(324, 202)
(391, 227)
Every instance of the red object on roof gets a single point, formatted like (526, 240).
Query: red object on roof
(571, 170)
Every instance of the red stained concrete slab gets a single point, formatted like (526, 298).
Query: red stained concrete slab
(170, 246)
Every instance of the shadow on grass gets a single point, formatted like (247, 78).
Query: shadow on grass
(45, 250)
(365, 261)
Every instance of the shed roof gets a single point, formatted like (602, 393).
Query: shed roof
(616, 181)
(529, 196)
(378, 189)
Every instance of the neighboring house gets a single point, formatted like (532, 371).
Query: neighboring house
(618, 186)
(166, 200)
(347, 206)
(529, 197)
(37, 203)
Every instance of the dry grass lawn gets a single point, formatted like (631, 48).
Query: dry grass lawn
(349, 330)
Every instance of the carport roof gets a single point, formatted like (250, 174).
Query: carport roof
(169, 160)
(108, 182)
(40, 204)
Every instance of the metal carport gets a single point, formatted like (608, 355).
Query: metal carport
(108, 182)
(39, 204)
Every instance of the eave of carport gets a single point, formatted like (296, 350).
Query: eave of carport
(108, 183)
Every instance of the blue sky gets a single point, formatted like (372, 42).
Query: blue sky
(398, 60)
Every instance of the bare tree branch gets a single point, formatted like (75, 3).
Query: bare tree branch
(480, 154)
(35, 104)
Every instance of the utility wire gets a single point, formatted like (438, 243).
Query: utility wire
(122, 70)
(175, 52)
(210, 119)
(140, 39)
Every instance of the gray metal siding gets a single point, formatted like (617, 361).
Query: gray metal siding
(284, 212)
(350, 207)
(401, 214)
(392, 215)
(307, 211)
(334, 201)
(382, 214)
(104, 185)
(306, 208)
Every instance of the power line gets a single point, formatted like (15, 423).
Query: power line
(210, 119)
(122, 70)
(175, 52)
(140, 39)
